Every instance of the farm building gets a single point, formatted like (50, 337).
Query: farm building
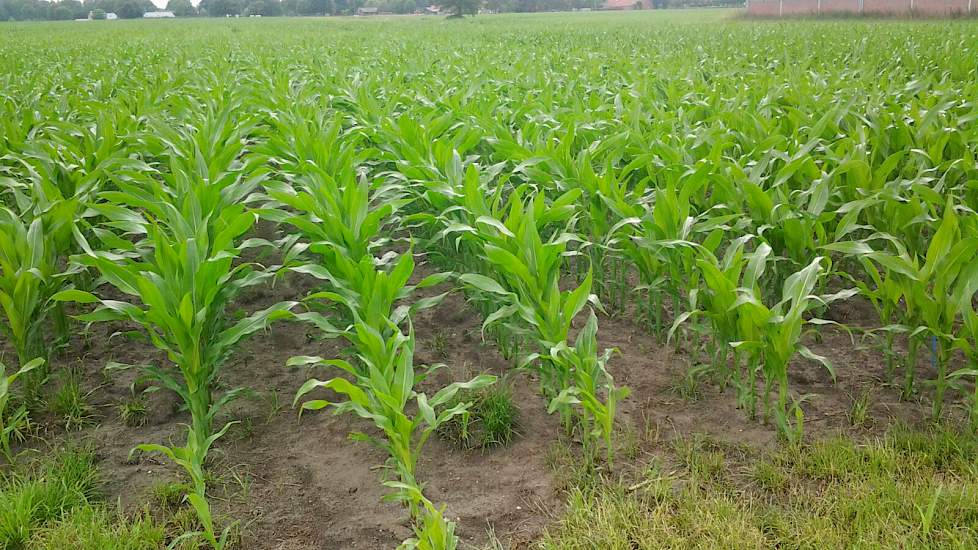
(158, 15)
(934, 8)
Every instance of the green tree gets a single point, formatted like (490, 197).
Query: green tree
(460, 8)
(61, 13)
(315, 7)
(130, 9)
(221, 8)
(265, 8)
(181, 8)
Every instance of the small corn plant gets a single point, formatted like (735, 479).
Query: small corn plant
(590, 381)
(432, 531)
(383, 385)
(771, 337)
(11, 423)
(936, 291)
(721, 284)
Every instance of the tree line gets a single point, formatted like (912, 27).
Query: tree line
(35, 10)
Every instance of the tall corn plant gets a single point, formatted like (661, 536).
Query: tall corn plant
(180, 269)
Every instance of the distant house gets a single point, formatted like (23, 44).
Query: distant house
(158, 15)
(111, 15)
(432, 10)
(367, 11)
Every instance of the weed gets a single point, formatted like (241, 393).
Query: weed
(133, 412)
(491, 421)
(69, 401)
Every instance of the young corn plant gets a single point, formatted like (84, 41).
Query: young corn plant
(529, 298)
(475, 224)
(526, 287)
(968, 343)
(384, 374)
(343, 229)
(29, 278)
(937, 290)
(384, 377)
(721, 284)
(54, 178)
(12, 423)
(661, 241)
(590, 380)
(181, 270)
(771, 337)
(433, 531)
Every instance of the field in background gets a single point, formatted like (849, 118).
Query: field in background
(771, 223)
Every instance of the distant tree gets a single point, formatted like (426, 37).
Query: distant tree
(315, 7)
(78, 11)
(61, 13)
(264, 8)
(460, 8)
(221, 8)
(181, 8)
(130, 9)
(98, 14)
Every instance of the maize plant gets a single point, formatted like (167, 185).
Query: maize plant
(474, 224)
(590, 380)
(381, 392)
(12, 423)
(937, 290)
(181, 272)
(342, 229)
(29, 278)
(661, 240)
(433, 532)
(722, 283)
(529, 299)
(771, 337)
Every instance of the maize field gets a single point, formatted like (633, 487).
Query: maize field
(304, 247)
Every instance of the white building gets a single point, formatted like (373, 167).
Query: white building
(158, 15)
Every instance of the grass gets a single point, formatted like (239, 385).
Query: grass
(492, 421)
(69, 403)
(168, 495)
(96, 528)
(133, 412)
(55, 504)
(44, 493)
(905, 489)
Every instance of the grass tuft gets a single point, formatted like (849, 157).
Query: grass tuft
(491, 421)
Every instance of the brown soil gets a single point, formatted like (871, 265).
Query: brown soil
(301, 484)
